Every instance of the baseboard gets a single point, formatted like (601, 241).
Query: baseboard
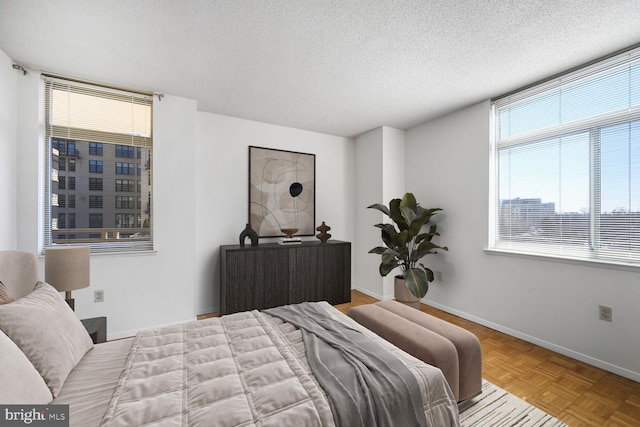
(207, 310)
(371, 294)
(623, 372)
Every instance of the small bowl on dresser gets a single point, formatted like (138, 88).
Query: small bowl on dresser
(289, 232)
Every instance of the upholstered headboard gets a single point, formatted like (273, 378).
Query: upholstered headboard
(18, 272)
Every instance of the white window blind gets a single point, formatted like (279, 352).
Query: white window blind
(567, 165)
(90, 132)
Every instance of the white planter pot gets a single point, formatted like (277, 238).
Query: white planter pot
(403, 294)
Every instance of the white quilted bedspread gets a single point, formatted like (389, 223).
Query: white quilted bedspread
(243, 369)
(228, 371)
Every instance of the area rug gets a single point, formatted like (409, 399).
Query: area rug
(496, 407)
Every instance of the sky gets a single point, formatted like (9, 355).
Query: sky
(557, 168)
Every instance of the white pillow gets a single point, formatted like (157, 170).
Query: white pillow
(5, 297)
(21, 383)
(48, 332)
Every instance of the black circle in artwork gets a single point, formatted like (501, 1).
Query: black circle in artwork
(295, 189)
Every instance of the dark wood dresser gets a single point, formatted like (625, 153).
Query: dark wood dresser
(270, 275)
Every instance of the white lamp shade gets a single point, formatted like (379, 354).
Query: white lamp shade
(66, 268)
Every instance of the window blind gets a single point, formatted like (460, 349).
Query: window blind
(94, 128)
(567, 165)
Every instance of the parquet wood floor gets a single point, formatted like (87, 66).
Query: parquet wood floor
(576, 393)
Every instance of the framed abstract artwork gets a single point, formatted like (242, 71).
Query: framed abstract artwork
(282, 191)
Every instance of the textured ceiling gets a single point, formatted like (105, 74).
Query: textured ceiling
(340, 67)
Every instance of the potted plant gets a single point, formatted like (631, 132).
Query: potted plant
(406, 243)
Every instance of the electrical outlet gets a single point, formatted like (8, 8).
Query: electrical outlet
(605, 313)
(98, 296)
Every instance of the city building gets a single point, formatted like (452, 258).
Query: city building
(100, 192)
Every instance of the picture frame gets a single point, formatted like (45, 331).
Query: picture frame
(281, 191)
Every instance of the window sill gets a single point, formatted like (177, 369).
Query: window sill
(150, 252)
(145, 252)
(565, 260)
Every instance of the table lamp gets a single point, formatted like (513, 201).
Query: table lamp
(66, 268)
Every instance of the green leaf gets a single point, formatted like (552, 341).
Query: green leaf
(429, 272)
(381, 208)
(408, 215)
(386, 268)
(401, 239)
(388, 234)
(389, 228)
(389, 256)
(378, 250)
(417, 282)
(425, 248)
(396, 215)
(433, 232)
(426, 236)
(409, 201)
(418, 222)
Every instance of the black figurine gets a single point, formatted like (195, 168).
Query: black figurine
(323, 235)
(251, 234)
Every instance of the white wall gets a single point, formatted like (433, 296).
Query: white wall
(141, 290)
(380, 177)
(552, 304)
(29, 163)
(393, 186)
(222, 161)
(369, 179)
(9, 150)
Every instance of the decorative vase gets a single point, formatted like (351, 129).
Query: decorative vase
(403, 294)
(251, 234)
(323, 235)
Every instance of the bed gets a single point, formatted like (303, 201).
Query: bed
(296, 365)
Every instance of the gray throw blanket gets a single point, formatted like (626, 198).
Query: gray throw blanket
(365, 384)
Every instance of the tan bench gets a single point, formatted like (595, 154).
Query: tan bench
(452, 349)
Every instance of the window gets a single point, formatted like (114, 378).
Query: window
(62, 200)
(125, 185)
(95, 202)
(124, 202)
(95, 166)
(95, 184)
(124, 151)
(71, 148)
(95, 149)
(125, 168)
(125, 221)
(82, 121)
(60, 145)
(95, 220)
(567, 165)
